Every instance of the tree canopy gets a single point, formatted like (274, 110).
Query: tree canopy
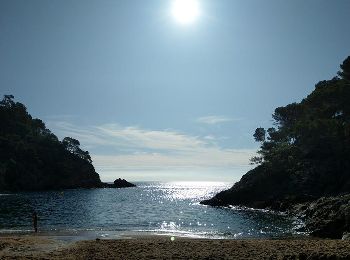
(32, 157)
(305, 155)
(312, 138)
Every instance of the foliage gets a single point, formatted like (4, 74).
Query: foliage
(305, 156)
(260, 134)
(312, 138)
(72, 145)
(32, 158)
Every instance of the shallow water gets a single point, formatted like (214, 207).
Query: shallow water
(153, 207)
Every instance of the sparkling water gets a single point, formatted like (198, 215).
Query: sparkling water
(150, 208)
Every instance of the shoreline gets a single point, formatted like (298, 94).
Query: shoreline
(163, 247)
(75, 235)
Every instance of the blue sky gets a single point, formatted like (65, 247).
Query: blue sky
(153, 99)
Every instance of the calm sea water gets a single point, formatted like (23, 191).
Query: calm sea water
(152, 207)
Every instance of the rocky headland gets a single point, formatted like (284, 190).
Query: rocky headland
(303, 165)
(32, 158)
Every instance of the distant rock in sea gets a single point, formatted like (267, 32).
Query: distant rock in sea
(122, 183)
(119, 183)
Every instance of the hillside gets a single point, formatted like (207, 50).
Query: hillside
(305, 155)
(32, 158)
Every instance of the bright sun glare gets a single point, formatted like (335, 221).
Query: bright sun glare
(185, 11)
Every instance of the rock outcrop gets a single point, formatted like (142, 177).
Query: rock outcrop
(119, 183)
(266, 188)
(122, 183)
(327, 217)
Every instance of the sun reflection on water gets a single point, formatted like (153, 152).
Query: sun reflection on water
(193, 191)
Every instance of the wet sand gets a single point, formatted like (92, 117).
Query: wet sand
(162, 247)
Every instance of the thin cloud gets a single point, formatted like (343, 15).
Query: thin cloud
(212, 158)
(151, 139)
(212, 120)
(133, 149)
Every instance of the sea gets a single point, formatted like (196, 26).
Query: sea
(151, 208)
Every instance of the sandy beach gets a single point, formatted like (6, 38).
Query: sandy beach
(162, 247)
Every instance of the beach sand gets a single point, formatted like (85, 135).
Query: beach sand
(162, 247)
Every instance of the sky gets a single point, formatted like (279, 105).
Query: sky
(154, 96)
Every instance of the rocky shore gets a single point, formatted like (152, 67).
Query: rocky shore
(324, 216)
(327, 217)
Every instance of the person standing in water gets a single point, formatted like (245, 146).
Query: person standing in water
(35, 222)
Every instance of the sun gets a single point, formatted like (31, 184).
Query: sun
(185, 11)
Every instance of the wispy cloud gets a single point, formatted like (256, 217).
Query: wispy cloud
(116, 149)
(151, 139)
(214, 119)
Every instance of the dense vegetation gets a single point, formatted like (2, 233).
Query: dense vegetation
(32, 158)
(305, 155)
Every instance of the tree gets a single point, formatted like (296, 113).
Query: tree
(260, 134)
(7, 101)
(345, 73)
(73, 146)
(311, 138)
(256, 160)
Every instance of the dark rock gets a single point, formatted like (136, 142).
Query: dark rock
(122, 183)
(346, 236)
(119, 183)
(264, 188)
(327, 217)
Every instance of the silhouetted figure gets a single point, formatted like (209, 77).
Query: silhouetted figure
(35, 222)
